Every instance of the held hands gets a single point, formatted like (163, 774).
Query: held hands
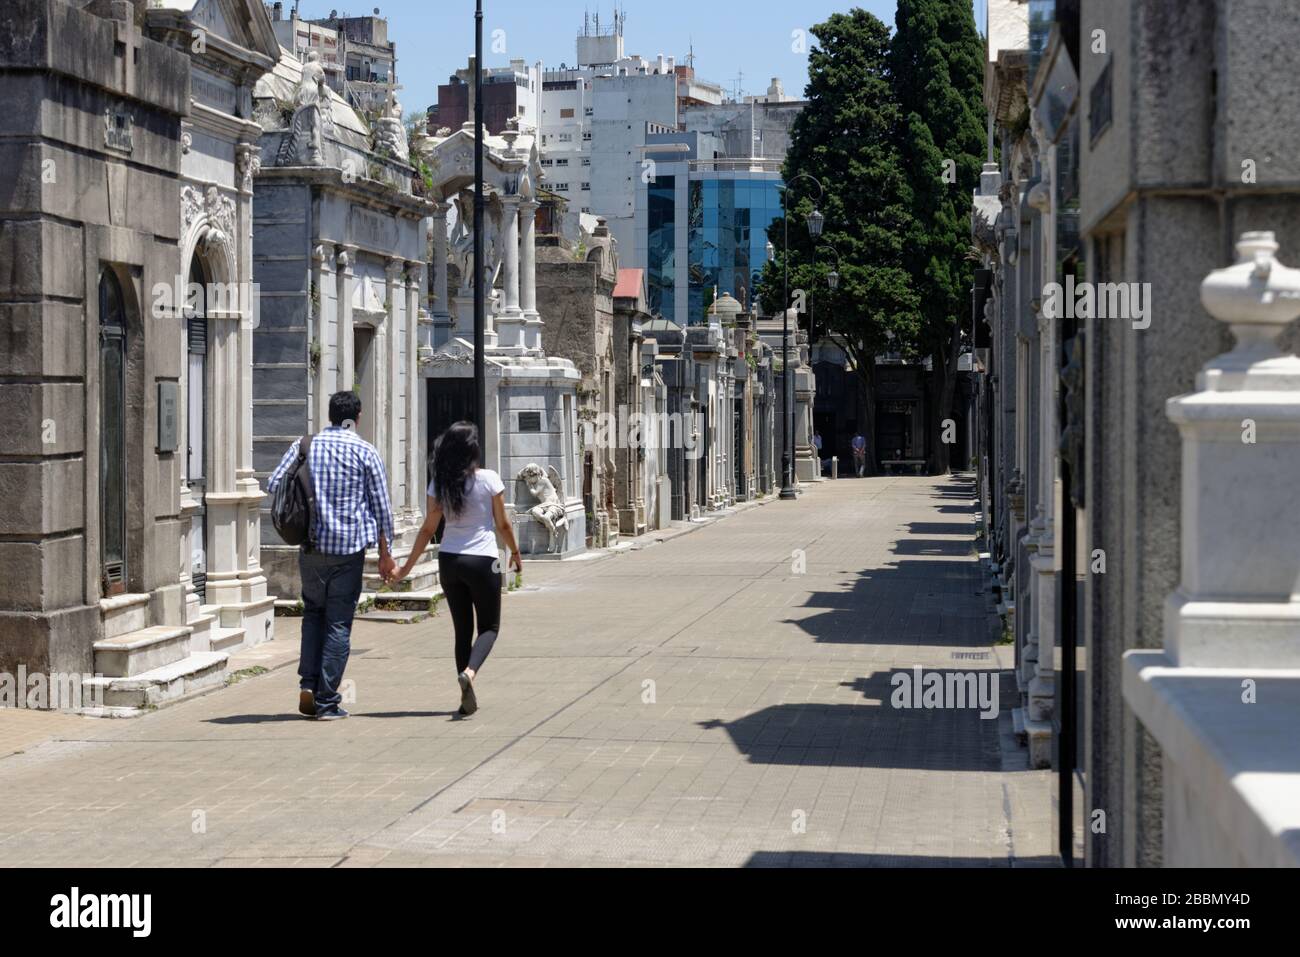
(388, 569)
(516, 562)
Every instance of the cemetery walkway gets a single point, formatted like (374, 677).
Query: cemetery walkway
(720, 698)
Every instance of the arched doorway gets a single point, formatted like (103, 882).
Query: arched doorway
(196, 406)
(112, 434)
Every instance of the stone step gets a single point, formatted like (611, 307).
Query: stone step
(423, 576)
(202, 626)
(121, 614)
(395, 617)
(137, 652)
(226, 639)
(125, 697)
(417, 599)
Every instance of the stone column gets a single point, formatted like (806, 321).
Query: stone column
(510, 282)
(345, 261)
(222, 498)
(510, 323)
(322, 260)
(528, 275)
(1038, 662)
(414, 466)
(441, 313)
(388, 340)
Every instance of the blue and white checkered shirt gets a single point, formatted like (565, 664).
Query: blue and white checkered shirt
(352, 505)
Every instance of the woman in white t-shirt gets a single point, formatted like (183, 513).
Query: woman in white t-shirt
(472, 500)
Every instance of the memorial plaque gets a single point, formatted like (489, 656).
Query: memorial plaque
(530, 421)
(167, 416)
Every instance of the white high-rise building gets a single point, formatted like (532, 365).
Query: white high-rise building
(594, 116)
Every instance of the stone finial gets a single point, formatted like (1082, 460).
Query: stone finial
(990, 179)
(1257, 296)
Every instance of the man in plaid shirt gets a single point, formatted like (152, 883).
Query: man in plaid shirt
(352, 513)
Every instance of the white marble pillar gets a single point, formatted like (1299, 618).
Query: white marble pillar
(438, 226)
(528, 275)
(322, 261)
(510, 322)
(414, 466)
(221, 498)
(1042, 683)
(344, 263)
(389, 387)
(510, 282)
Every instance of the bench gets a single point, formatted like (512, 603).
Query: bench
(896, 466)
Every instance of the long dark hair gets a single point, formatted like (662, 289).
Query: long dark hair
(455, 457)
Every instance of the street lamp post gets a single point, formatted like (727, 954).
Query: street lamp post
(832, 283)
(815, 222)
(480, 368)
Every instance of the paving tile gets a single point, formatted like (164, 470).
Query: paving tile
(720, 699)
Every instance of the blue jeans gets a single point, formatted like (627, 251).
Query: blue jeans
(331, 585)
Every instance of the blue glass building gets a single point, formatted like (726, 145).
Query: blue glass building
(702, 224)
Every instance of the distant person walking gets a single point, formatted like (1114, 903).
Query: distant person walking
(859, 454)
(472, 501)
(351, 513)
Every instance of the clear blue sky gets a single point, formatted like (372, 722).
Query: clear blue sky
(731, 37)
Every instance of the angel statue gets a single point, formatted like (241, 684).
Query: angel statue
(312, 120)
(390, 134)
(547, 492)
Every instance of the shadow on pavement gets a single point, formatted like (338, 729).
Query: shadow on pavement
(923, 602)
(256, 718)
(270, 718)
(941, 528)
(933, 546)
(831, 859)
(873, 735)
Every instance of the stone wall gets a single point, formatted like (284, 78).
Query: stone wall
(1202, 94)
(81, 199)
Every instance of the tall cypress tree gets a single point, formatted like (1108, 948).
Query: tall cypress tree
(936, 67)
(846, 137)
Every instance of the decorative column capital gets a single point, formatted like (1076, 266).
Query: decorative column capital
(394, 269)
(345, 257)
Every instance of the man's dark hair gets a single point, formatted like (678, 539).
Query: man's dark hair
(344, 407)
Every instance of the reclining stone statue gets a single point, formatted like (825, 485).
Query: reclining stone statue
(549, 509)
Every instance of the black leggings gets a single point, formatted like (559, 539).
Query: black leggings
(471, 585)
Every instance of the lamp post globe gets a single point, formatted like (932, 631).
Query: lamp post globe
(815, 221)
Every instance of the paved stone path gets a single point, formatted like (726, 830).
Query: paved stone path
(721, 698)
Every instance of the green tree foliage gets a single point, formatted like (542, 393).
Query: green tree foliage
(936, 65)
(846, 139)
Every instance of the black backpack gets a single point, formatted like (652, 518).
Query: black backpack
(295, 500)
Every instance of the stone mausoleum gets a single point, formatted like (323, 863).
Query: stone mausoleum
(129, 548)
(531, 397)
(338, 253)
